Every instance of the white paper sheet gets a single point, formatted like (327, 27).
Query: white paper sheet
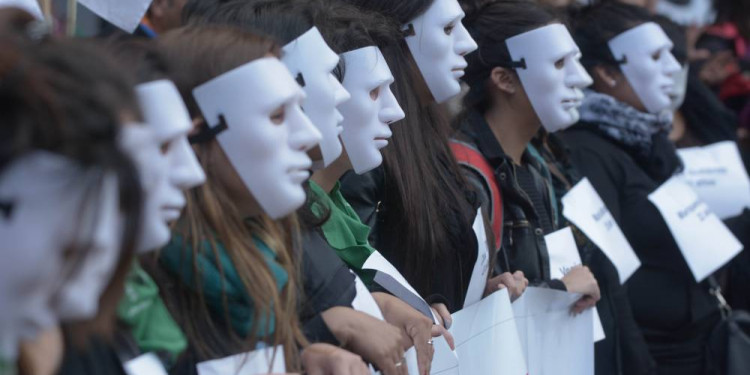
(31, 6)
(705, 242)
(125, 14)
(718, 176)
(256, 362)
(554, 341)
(563, 255)
(584, 208)
(478, 280)
(389, 278)
(146, 364)
(486, 339)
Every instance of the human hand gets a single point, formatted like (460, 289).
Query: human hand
(325, 359)
(516, 284)
(581, 280)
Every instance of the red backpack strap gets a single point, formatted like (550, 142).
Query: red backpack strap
(471, 158)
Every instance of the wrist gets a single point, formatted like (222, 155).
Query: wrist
(339, 322)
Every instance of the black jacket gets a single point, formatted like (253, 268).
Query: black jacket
(673, 311)
(327, 283)
(523, 243)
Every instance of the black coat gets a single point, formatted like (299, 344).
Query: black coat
(675, 312)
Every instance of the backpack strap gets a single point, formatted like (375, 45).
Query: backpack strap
(469, 157)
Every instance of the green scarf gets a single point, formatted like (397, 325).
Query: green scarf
(149, 320)
(177, 257)
(344, 230)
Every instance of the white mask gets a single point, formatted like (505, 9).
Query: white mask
(166, 115)
(367, 119)
(680, 87)
(160, 197)
(554, 90)
(270, 158)
(649, 66)
(438, 44)
(311, 61)
(40, 193)
(79, 296)
(31, 6)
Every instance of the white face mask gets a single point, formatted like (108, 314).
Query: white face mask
(40, 193)
(160, 197)
(646, 60)
(166, 115)
(79, 295)
(311, 61)
(371, 110)
(680, 88)
(438, 44)
(553, 76)
(31, 6)
(269, 156)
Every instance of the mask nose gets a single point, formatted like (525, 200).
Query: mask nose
(577, 76)
(391, 111)
(341, 95)
(188, 173)
(303, 135)
(464, 43)
(671, 66)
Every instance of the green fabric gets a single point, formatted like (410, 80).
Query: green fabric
(177, 257)
(151, 324)
(7, 367)
(344, 230)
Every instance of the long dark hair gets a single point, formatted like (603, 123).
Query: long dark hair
(429, 204)
(490, 25)
(67, 97)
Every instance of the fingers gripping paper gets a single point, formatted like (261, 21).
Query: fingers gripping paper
(563, 256)
(125, 14)
(584, 208)
(705, 242)
(554, 341)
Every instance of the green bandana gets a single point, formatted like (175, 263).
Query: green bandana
(344, 230)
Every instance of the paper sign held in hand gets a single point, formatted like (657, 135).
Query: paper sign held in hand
(389, 278)
(481, 270)
(146, 364)
(563, 256)
(261, 361)
(125, 14)
(705, 242)
(554, 341)
(486, 338)
(584, 208)
(718, 176)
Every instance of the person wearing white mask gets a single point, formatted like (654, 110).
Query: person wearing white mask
(621, 145)
(524, 77)
(70, 203)
(252, 139)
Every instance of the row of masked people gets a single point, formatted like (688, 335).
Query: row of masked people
(276, 187)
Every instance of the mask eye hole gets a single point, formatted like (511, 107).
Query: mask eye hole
(164, 148)
(375, 93)
(559, 64)
(656, 56)
(277, 116)
(449, 29)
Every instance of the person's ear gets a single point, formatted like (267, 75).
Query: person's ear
(504, 79)
(606, 75)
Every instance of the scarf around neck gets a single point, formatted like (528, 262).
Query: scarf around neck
(623, 123)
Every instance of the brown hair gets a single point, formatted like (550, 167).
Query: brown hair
(198, 54)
